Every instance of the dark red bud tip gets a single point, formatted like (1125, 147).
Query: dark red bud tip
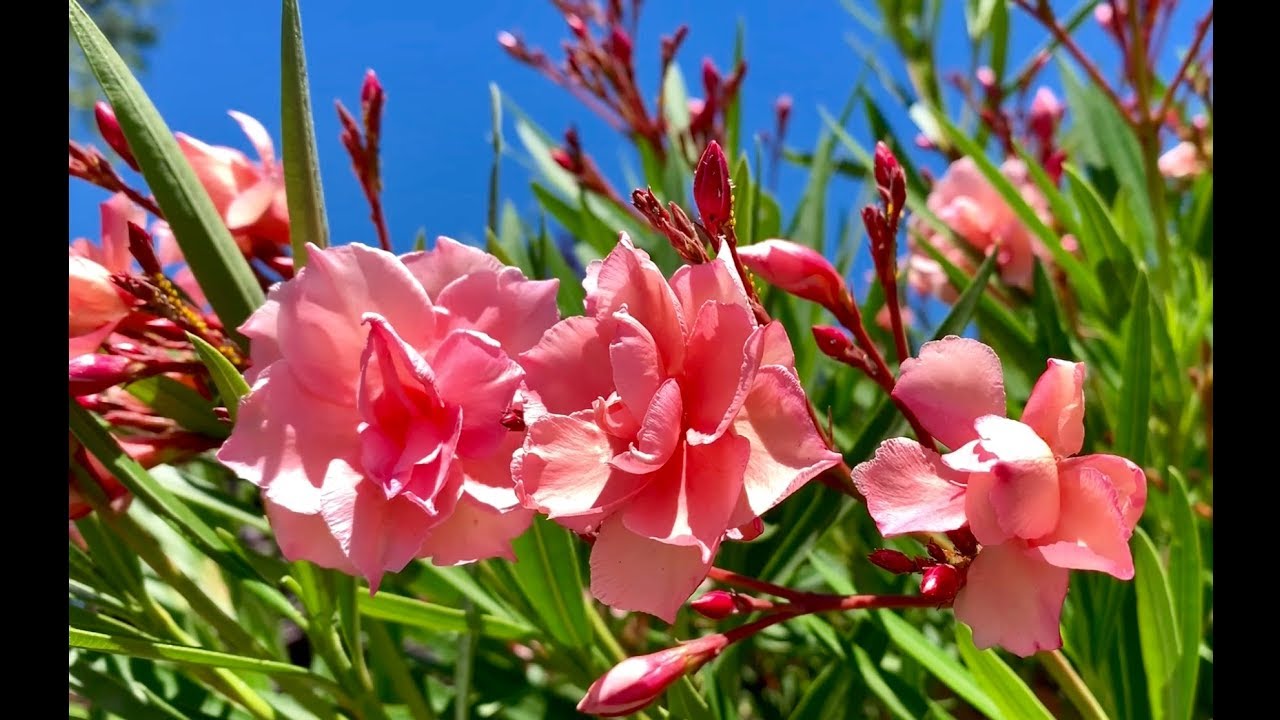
(112, 134)
(710, 77)
(886, 165)
(966, 544)
(782, 106)
(620, 45)
(893, 561)
(711, 189)
(371, 89)
(562, 158)
(940, 583)
(936, 552)
(93, 373)
(716, 605)
(833, 342)
(513, 420)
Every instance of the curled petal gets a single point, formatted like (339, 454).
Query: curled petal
(951, 384)
(258, 137)
(1025, 494)
(1127, 478)
(628, 277)
(447, 261)
(630, 572)
(908, 489)
(306, 537)
(377, 534)
(564, 470)
(637, 366)
(474, 373)
(1013, 598)
(1091, 534)
(503, 305)
(569, 367)
(1055, 409)
(659, 435)
(720, 367)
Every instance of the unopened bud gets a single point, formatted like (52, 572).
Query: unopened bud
(620, 45)
(716, 605)
(893, 561)
(637, 681)
(835, 344)
(711, 189)
(576, 25)
(891, 179)
(112, 134)
(95, 372)
(1046, 113)
(940, 583)
(710, 79)
(796, 269)
(936, 552)
(371, 89)
(986, 78)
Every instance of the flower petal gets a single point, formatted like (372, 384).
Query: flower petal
(1127, 478)
(247, 207)
(258, 137)
(563, 469)
(503, 305)
(306, 537)
(1013, 598)
(488, 479)
(690, 499)
(695, 285)
(786, 450)
(951, 384)
(474, 373)
(637, 365)
(720, 366)
(1055, 409)
(569, 367)
(116, 214)
(627, 277)
(377, 534)
(659, 434)
(630, 572)
(908, 489)
(446, 262)
(475, 531)
(1025, 494)
(1091, 534)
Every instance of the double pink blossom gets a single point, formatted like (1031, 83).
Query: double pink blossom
(379, 386)
(979, 215)
(663, 421)
(1036, 510)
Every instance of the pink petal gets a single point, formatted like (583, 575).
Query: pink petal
(627, 277)
(116, 214)
(377, 534)
(569, 367)
(1127, 478)
(1013, 599)
(446, 262)
(247, 207)
(630, 572)
(306, 537)
(263, 330)
(979, 511)
(1016, 256)
(474, 532)
(690, 499)
(320, 329)
(186, 281)
(1055, 409)
(85, 344)
(720, 367)
(1025, 494)
(503, 305)
(258, 137)
(488, 479)
(908, 489)
(951, 384)
(637, 365)
(715, 281)
(563, 469)
(777, 347)
(1091, 534)
(786, 450)
(474, 373)
(659, 434)
(167, 250)
(290, 442)
(218, 169)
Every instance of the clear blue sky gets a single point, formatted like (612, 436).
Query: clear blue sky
(436, 60)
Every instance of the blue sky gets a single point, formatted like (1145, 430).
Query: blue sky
(437, 59)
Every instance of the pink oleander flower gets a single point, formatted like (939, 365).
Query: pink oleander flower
(1037, 510)
(250, 196)
(1181, 161)
(637, 681)
(665, 420)
(379, 385)
(969, 205)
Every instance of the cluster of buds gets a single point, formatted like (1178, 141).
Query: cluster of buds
(599, 70)
(942, 571)
(1039, 121)
(575, 161)
(679, 230)
(362, 142)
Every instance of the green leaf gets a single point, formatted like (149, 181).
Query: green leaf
(215, 260)
(437, 618)
(570, 295)
(962, 311)
(111, 694)
(944, 667)
(1135, 387)
(495, 104)
(1002, 684)
(1051, 338)
(825, 696)
(876, 683)
(1157, 629)
(170, 398)
(743, 191)
(1187, 586)
(686, 703)
(547, 570)
(307, 222)
(230, 383)
(1098, 233)
(821, 511)
(977, 17)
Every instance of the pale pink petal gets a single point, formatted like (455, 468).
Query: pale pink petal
(446, 262)
(690, 499)
(908, 489)
(504, 305)
(186, 281)
(88, 343)
(714, 281)
(659, 434)
(93, 300)
(167, 250)
(777, 346)
(637, 365)
(563, 469)
(319, 329)
(258, 137)
(951, 384)
(475, 531)
(116, 214)
(629, 572)
(474, 373)
(1025, 494)
(627, 277)
(377, 534)
(1128, 479)
(487, 480)
(306, 537)
(1015, 253)
(218, 169)
(1013, 598)
(1091, 534)
(1055, 409)
(263, 330)
(979, 511)
(786, 450)
(248, 206)
(569, 367)
(289, 442)
(721, 360)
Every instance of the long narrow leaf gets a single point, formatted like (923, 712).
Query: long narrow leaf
(1157, 629)
(547, 569)
(307, 222)
(1002, 684)
(415, 613)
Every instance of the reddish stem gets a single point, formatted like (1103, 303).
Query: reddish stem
(1202, 30)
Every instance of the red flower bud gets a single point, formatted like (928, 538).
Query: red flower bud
(635, 682)
(716, 605)
(112, 134)
(893, 561)
(796, 269)
(711, 189)
(940, 583)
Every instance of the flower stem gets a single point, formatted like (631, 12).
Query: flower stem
(1072, 685)
(1202, 30)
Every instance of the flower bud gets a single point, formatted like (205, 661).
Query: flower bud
(835, 344)
(940, 583)
(891, 180)
(95, 372)
(637, 681)
(111, 132)
(966, 544)
(796, 269)
(620, 45)
(936, 552)
(711, 189)
(371, 89)
(893, 561)
(93, 300)
(1046, 113)
(716, 605)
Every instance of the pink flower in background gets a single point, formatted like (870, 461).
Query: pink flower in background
(249, 195)
(1036, 510)
(664, 420)
(374, 426)
(1182, 161)
(969, 205)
